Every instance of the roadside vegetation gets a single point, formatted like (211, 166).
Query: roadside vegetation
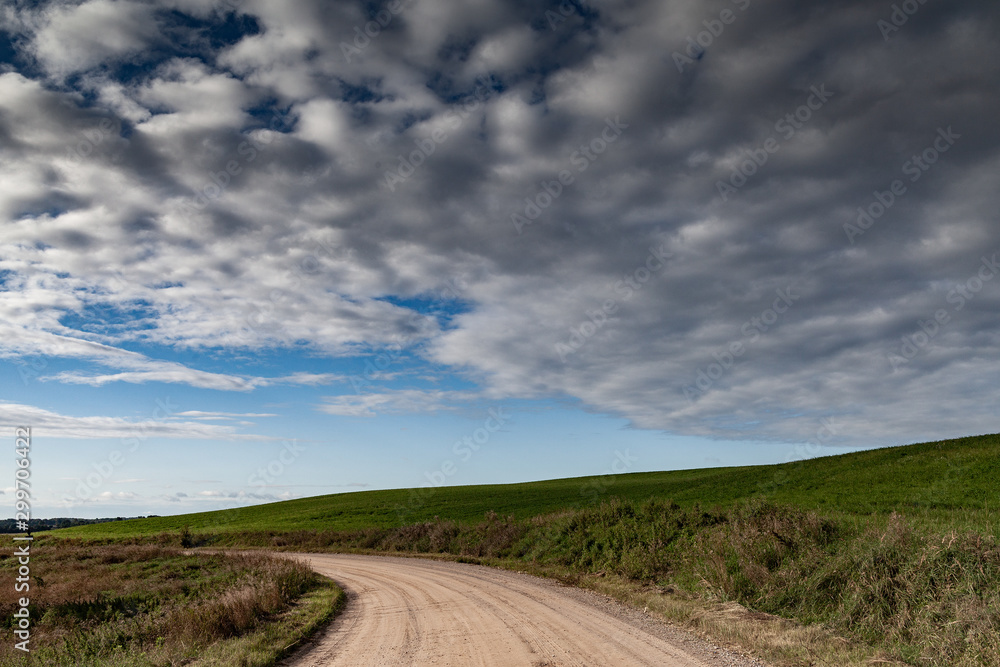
(893, 584)
(155, 605)
(878, 557)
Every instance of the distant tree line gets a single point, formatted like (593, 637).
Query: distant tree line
(10, 525)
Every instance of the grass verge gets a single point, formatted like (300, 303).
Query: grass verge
(779, 641)
(893, 587)
(155, 606)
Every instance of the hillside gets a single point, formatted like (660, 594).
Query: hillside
(944, 479)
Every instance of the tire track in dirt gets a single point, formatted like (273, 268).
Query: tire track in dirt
(410, 611)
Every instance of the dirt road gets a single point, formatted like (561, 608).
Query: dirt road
(407, 611)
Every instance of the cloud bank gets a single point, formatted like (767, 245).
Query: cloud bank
(733, 219)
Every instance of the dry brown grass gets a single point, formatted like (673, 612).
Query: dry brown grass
(268, 586)
(145, 604)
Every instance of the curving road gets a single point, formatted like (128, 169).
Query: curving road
(408, 611)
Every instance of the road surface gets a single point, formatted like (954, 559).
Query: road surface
(409, 611)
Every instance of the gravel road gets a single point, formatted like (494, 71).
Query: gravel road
(409, 611)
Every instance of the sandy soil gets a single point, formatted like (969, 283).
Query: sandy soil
(407, 611)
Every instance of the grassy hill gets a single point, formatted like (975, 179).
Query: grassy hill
(897, 549)
(948, 482)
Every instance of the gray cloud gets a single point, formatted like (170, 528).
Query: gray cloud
(238, 235)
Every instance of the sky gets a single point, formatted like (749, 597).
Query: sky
(255, 250)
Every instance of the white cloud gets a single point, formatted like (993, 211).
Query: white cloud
(46, 423)
(21, 342)
(402, 401)
(75, 37)
(174, 373)
(311, 379)
(212, 416)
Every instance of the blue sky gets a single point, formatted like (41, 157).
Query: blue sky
(252, 251)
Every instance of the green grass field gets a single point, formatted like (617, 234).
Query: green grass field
(953, 483)
(894, 549)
